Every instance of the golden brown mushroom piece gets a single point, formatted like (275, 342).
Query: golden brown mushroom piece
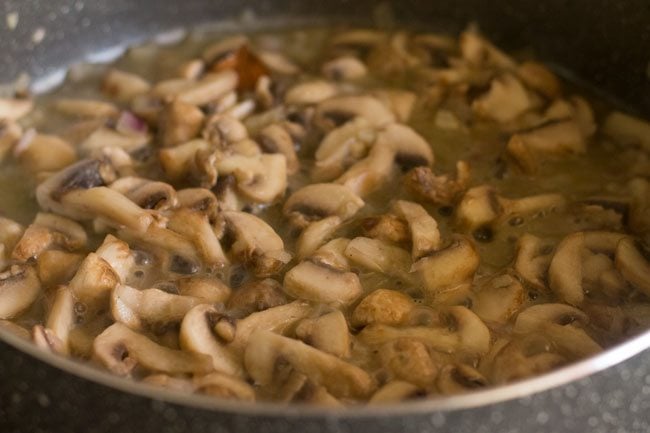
(19, 288)
(317, 201)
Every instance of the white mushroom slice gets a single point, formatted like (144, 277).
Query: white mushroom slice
(146, 193)
(400, 102)
(532, 261)
(57, 267)
(19, 288)
(387, 307)
(196, 227)
(254, 296)
(120, 349)
(49, 230)
(499, 299)
(223, 131)
(449, 268)
(10, 134)
(333, 254)
(625, 129)
(328, 333)
(465, 333)
(224, 386)
(600, 275)
(61, 317)
(45, 339)
(438, 189)
(565, 271)
(256, 243)
(207, 89)
(344, 68)
(456, 379)
(86, 108)
(479, 52)
(315, 235)
(425, 235)
(169, 382)
(380, 256)
(93, 282)
(266, 349)
(14, 109)
(310, 93)
(633, 266)
(386, 227)
(108, 204)
(44, 153)
(223, 47)
(167, 241)
(177, 161)
(138, 308)
(336, 111)
(124, 86)
(371, 172)
(538, 77)
(315, 281)
(199, 199)
(13, 329)
(410, 148)
(506, 100)
(321, 200)
(105, 137)
(358, 38)
(278, 62)
(276, 139)
(179, 122)
(409, 359)
(394, 392)
(341, 147)
(210, 289)
(261, 178)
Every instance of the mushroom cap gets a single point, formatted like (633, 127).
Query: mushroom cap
(19, 288)
(317, 201)
(337, 110)
(314, 281)
(565, 271)
(388, 307)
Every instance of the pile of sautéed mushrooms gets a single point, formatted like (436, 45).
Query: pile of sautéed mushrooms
(319, 216)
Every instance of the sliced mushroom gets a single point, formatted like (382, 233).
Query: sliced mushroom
(169, 382)
(506, 100)
(396, 391)
(256, 243)
(56, 267)
(10, 134)
(538, 77)
(442, 189)
(400, 102)
(45, 339)
(370, 173)
(49, 231)
(222, 131)
(146, 193)
(533, 260)
(316, 281)
(499, 298)
(479, 52)
(333, 254)
(276, 139)
(207, 89)
(44, 153)
(256, 296)
(310, 93)
(196, 227)
(278, 62)
(19, 288)
(386, 227)
(463, 332)
(15, 108)
(87, 108)
(179, 122)
(425, 235)
(224, 386)
(340, 378)
(138, 308)
(456, 379)
(315, 235)
(199, 199)
(448, 269)
(409, 359)
(124, 86)
(328, 333)
(120, 349)
(565, 271)
(632, 265)
(178, 161)
(338, 110)
(105, 137)
(318, 201)
(10, 327)
(344, 68)
(384, 306)
(61, 317)
(261, 178)
(379, 256)
(625, 129)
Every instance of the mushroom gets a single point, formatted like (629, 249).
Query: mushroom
(561, 324)
(85, 108)
(499, 298)
(256, 296)
(222, 131)
(146, 193)
(409, 359)
(460, 330)
(459, 378)
(344, 68)
(310, 92)
(565, 270)
(138, 308)
(177, 162)
(223, 49)
(425, 235)
(261, 178)
(10, 327)
(61, 319)
(56, 267)
(335, 111)
(538, 77)
(411, 149)
(19, 288)
(10, 134)
(315, 235)
(532, 261)
(124, 86)
(321, 200)
(296, 387)
(120, 349)
(169, 382)
(168, 243)
(105, 137)
(357, 39)
(341, 379)
(625, 129)
(256, 243)
(386, 227)
(210, 289)
(328, 333)
(277, 62)
(396, 391)
(380, 256)
(316, 281)
(384, 306)
(333, 254)
(44, 153)
(632, 265)
(370, 173)
(479, 52)
(199, 199)
(391, 58)
(506, 100)
(15, 108)
(179, 122)
(400, 102)
(195, 226)
(45, 339)
(442, 189)
(341, 147)
(208, 88)
(448, 270)
(224, 386)
(49, 231)
(276, 139)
